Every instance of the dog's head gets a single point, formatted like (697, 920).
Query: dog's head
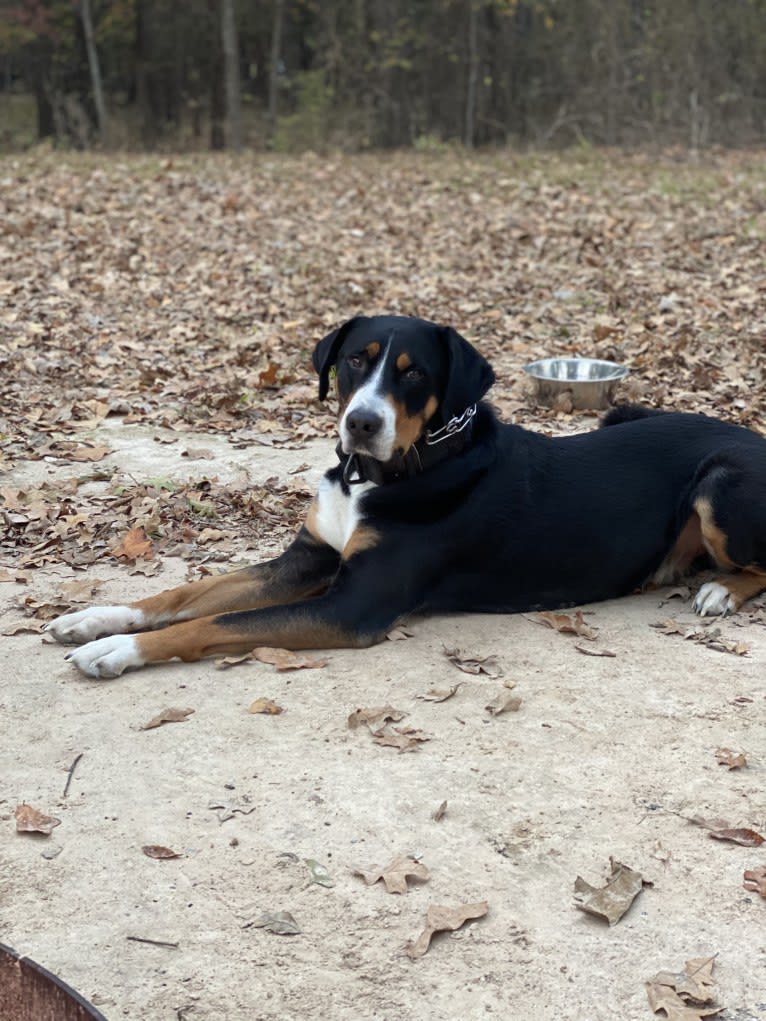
(396, 376)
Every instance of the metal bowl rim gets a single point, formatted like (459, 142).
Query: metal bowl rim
(533, 369)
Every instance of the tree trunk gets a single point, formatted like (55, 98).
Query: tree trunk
(217, 94)
(95, 69)
(469, 135)
(231, 74)
(276, 54)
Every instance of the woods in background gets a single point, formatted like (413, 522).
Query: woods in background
(356, 74)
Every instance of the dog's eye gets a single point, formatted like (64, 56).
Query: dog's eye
(413, 374)
(355, 361)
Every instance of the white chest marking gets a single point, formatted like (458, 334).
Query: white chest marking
(338, 514)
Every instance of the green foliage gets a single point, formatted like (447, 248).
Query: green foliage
(308, 127)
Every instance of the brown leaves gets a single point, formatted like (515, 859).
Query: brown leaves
(134, 545)
(719, 829)
(283, 659)
(472, 664)
(710, 637)
(612, 900)
(159, 852)
(755, 880)
(369, 717)
(395, 874)
(439, 694)
(266, 707)
(168, 715)
(439, 919)
(405, 739)
(684, 996)
(726, 757)
(30, 820)
(565, 623)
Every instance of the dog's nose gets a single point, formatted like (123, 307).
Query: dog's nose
(363, 423)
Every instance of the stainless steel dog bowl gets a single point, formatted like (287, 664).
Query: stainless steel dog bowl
(590, 381)
(28, 992)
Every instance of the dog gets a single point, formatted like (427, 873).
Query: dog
(435, 505)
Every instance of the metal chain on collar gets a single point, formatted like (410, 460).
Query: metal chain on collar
(455, 425)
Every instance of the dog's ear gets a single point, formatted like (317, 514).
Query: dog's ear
(326, 354)
(469, 376)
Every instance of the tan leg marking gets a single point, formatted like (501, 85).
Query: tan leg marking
(194, 640)
(744, 585)
(713, 537)
(409, 428)
(688, 546)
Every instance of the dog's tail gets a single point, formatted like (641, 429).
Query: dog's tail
(629, 413)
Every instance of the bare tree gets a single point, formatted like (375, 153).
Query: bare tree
(231, 74)
(276, 55)
(95, 69)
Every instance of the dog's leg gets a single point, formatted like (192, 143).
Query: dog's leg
(306, 567)
(353, 614)
(374, 586)
(733, 526)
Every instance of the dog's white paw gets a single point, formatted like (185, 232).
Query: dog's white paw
(714, 600)
(85, 625)
(107, 657)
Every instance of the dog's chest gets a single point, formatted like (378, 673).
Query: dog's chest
(339, 513)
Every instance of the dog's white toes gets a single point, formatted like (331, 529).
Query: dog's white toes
(713, 600)
(107, 657)
(85, 625)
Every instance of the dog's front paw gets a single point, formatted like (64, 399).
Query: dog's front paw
(107, 657)
(85, 625)
(714, 600)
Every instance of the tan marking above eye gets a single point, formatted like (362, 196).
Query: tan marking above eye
(373, 349)
(403, 361)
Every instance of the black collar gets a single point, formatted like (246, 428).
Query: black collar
(433, 447)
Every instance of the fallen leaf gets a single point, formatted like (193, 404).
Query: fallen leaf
(168, 715)
(504, 704)
(265, 706)
(283, 659)
(228, 661)
(29, 820)
(612, 900)
(719, 829)
(440, 919)
(399, 634)
(681, 592)
(379, 714)
(710, 637)
(16, 576)
(318, 873)
(565, 623)
(134, 545)
(406, 739)
(471, 664)
(440, 812)
(25, 627)
(726, 757)
(281, 923)
(198, 454)
(755, 880)
(395, 874)
(438, 694)
(686, 995)
(159, 852)
(595, 652)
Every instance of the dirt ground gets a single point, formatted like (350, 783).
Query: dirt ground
(605, 757)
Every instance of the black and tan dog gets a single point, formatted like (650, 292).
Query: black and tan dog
(437, 506)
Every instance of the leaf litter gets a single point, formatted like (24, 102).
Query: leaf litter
(611, 901)
(168, 715)
(30, 820)
(444, 919)
(688, 995)
(395, 874)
